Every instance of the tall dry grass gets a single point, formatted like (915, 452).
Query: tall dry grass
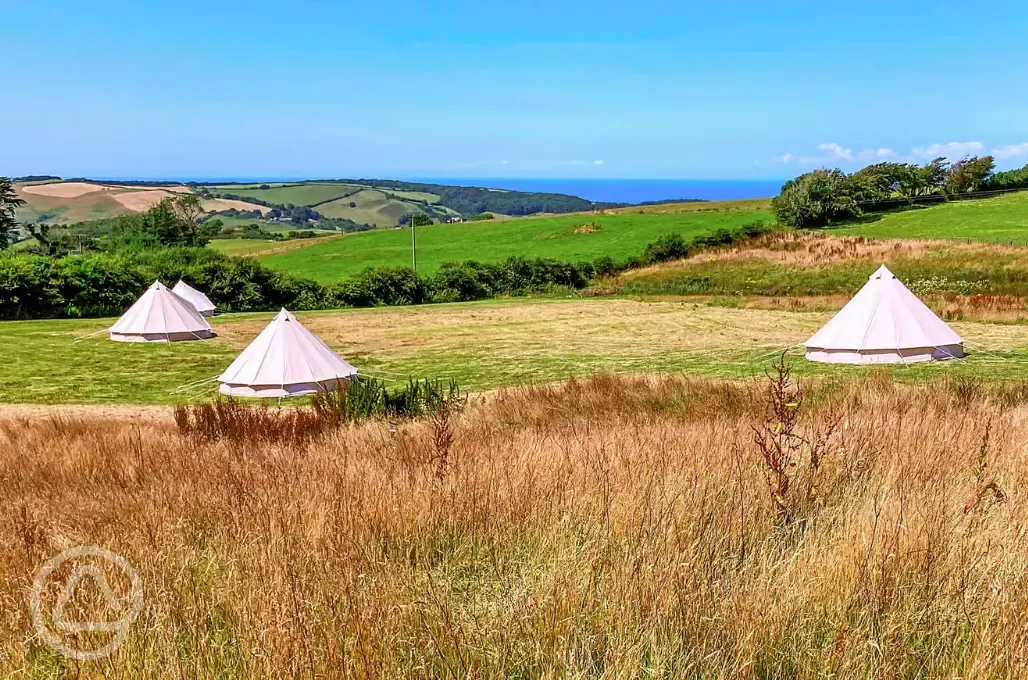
(614, 527)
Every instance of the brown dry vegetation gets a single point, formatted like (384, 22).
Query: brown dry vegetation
(614, 527)
(812, 248)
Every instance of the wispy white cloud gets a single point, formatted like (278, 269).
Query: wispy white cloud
(837, 150)
(597, 162)
(786, 158)
(952, 150)
(1011, 151)
(875, 154)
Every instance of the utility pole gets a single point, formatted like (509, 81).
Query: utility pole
(413, 244)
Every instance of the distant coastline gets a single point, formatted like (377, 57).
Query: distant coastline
(628, 190)
(598, 190)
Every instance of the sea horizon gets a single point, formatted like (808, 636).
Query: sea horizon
(606, 190)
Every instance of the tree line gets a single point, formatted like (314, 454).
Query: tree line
(825, 195)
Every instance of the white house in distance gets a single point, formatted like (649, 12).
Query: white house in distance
(884, 323)
(160, 316)
(285, 360)
(194, 297)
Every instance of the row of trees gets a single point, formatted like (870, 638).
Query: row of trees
(823, 196)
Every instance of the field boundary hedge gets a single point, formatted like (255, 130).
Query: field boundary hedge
(105, 284)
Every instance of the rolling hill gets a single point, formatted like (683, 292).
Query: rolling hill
(67, 202)
(383, 202)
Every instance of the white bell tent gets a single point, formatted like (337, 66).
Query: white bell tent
(194, 297)
(160, 316)
(285, 360)
(884, 323)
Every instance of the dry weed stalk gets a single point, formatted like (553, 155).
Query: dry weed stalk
(782, 445)
(986, 491)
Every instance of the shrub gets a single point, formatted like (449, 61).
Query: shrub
(815, 199)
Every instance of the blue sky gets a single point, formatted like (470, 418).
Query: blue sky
(505, 89)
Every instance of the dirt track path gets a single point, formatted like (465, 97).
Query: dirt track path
(104, 411)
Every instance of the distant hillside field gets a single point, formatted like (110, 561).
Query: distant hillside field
(383, 202)
(70, 202)
(1003, 219)
(569, 237)
(334, 199)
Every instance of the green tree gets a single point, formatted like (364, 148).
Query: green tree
(175, 222)
(418, 220)
(9, 204)
(877, 182)
(969, 174)
(924, 180)
(815, 199)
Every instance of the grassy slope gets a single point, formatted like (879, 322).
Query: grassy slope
(1002, 219)
(373, 207)
(620, 236)
(806, 264)
(484, 345)
(56, 210)
(304, 194)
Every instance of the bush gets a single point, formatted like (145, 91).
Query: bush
(668, 247)
(383, 286)
(815, 199)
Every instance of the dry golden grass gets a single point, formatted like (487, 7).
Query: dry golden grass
(62, 189)
(812, 248)
(615, 527)
(218, 204)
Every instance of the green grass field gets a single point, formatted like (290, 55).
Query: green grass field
(1003, 219)
(483, 345)
(567, 237)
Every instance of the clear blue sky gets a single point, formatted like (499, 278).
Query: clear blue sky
(505, 89)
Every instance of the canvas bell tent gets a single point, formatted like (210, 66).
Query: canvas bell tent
(160, 316)
(884, 323)
(285, 360)
(194, 297)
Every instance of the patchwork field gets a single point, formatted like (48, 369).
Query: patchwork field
(379, 207)
(567, 237)
(483, 345)
(69, 202)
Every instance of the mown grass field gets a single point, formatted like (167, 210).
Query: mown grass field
(483, 345)
(567, 237)
(1003, 219)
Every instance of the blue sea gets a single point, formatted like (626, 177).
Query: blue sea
(630, 190)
